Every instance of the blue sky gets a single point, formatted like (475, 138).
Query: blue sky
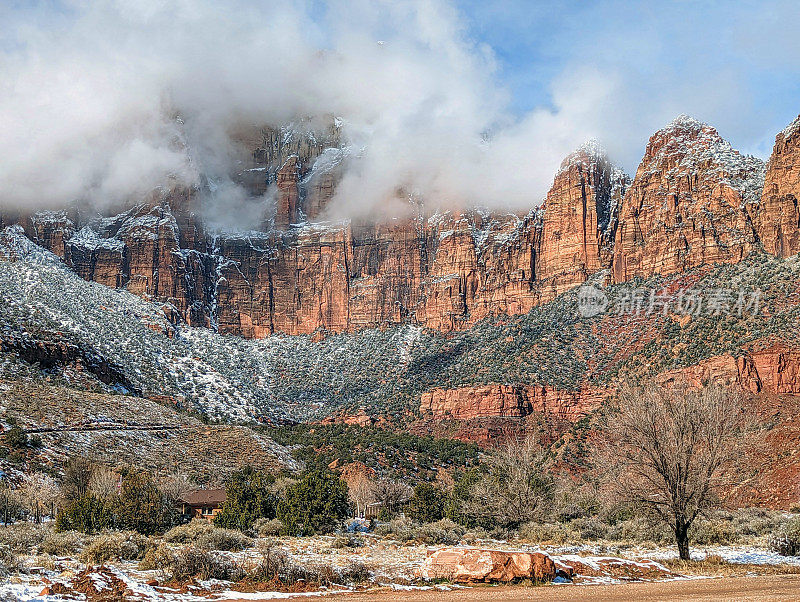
(735, 65)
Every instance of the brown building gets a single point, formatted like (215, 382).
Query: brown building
(202, 503)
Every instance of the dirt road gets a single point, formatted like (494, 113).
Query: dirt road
(772, 588)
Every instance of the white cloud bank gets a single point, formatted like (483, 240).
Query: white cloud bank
(89, 96)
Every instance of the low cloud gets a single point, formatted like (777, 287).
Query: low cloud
(102, 101)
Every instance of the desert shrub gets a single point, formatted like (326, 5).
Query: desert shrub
(640, 530)
(22, 538)
(786, 539)
(226, 540)
(354, 572)
(157, 557)
(268, 527)
(474, 535)
(314, 504)
(274, 565)
(9, 562)
(555, 533)
(192, 562)
(87, 514)
(64, 543)
(589, 528)
(348, 540)
(427, 504)
(115, 545)
(715, 530)
(401, 528)
(756, 521)
(249, 497)
(443, 531)
(190, 532)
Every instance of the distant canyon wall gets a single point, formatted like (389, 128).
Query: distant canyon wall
(693, 200)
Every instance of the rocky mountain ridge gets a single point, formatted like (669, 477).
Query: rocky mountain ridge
(694, 200)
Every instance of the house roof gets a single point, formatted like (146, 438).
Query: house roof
(201, 497)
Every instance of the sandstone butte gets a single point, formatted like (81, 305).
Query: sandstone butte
(694, 200)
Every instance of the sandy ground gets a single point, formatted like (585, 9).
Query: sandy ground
(773, 588)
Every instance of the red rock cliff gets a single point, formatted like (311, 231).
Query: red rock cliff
(689, 204)
(778, 217)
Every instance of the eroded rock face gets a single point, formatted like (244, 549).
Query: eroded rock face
(470, 565)
(689, 204)
(579, 220)
(774, 370)
(489, 401)
(777, 219)
(694, 200)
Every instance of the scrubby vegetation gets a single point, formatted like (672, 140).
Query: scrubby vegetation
(394, 454)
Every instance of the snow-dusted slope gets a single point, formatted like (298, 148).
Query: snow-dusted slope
(50, 312)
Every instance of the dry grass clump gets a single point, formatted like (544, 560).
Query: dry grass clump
(65, 543)
(267, 527)
(116, 545)
(188, 533)
(714, 565)
(22, 537)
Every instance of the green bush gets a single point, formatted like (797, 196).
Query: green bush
(87, 514)
(141, 507)
(248, 498)
(316, 503)
(15, 438)
(427, 504)
(116, 545)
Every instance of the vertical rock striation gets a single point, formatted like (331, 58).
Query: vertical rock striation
(778, 217)
(689, 204)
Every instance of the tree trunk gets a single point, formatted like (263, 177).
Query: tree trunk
(682, 539)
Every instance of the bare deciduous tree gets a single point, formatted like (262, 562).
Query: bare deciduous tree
(104, 483)
(40, 492)
(518, 482)
(391, 494)
(670, 448)
(361, 491)
(77, 473)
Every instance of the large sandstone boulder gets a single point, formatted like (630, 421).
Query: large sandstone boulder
(465, 565)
